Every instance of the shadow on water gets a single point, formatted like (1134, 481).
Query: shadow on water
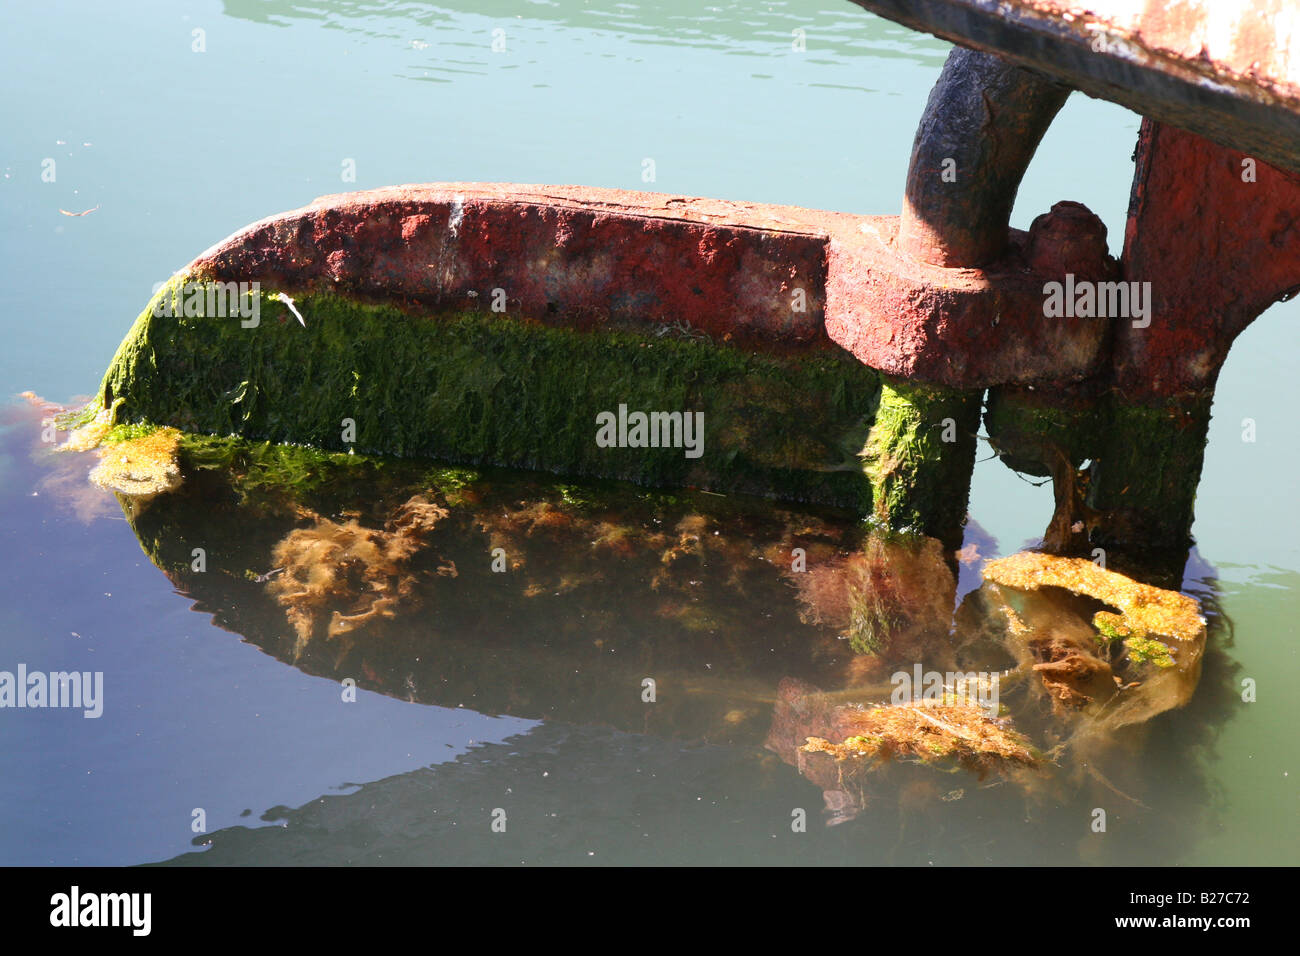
(682, 648)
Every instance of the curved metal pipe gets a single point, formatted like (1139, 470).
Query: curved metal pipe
(982, 123)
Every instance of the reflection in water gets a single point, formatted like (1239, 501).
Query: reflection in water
(605, 586)
(893, 594)
(502, 591)
(335, 578)
(64, 475)
(685, 616)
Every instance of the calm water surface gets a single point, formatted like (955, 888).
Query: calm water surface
(478, 699)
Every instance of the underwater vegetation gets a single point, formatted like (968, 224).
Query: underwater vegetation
(1144, 610)
(951, 729)
(139, 461)
(760, 624)
(1132, 663)
(893, 593)
(336, 577)
(1040, 632)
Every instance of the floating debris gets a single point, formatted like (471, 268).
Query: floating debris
(1079, 661)
(1144, 611)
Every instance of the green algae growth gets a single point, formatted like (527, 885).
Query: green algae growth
(477, 389)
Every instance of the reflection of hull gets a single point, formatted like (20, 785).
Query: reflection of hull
(694, 617)
(601, 591)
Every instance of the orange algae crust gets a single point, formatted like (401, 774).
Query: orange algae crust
(1144, 611)
(90, 435)
(144, 466)
(931, 731)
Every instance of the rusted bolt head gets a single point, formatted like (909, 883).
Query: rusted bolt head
(1070, 238)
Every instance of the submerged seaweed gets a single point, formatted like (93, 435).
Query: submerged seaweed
(892, 594)
(953, 728)
(1162, 634)
(337, 577)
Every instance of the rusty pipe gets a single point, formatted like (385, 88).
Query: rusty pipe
(982, 123)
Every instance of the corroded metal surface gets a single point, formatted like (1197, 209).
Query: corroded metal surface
(566, 254)
(965, 328)
(982, 123)
(1227, 70)
(736, 271)
(1218, 238)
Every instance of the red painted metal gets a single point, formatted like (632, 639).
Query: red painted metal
(564, 254)
(1217, 234)
(594, 257)
(964, 328)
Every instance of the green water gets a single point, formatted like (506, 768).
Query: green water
(174, 149)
